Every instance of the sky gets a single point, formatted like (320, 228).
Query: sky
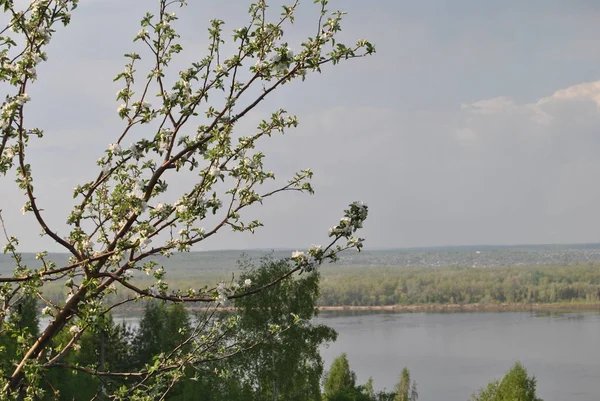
(475, 122)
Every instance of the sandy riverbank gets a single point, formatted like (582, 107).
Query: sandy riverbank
(470, 307)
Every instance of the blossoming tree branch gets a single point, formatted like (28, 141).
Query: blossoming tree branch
(128, 212)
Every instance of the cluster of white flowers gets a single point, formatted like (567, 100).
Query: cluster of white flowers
(154, 291)
(137, 191)
(180, 206)
(221, 69)
(223, 293)
(344, 228)
(352, 221)
(10, 67)
(281, 61)
(22, 99)
(47, 311)
(144, 242)
(172, 96)
(74, 330)
(305, 260)
(123, 110)
(115, 148)
(135, 152)
(106, 167)
(42, 35)
(37, 5)
(142, 34)
(215, 171)
(165, 140)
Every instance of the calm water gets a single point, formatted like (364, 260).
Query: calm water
(452, 355)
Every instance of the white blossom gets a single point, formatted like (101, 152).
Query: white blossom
(247, 282)
(290, 53)
(115, 148)
(315, 248)
(181, 207)
(76, 347)
(163, 144)
(297, 254)
(46, 311)
(144, 242)
(106, 168)
(22, 99)
(215, 171)
(74, 330)
(154, 291)
(135, 152)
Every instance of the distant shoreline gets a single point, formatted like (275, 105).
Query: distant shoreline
(559, 307)
(433, 308)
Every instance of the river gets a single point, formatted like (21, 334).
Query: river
(452, 355)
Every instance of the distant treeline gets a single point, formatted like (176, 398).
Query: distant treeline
(380, 286)
(415, 286)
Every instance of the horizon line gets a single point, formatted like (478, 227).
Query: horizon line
(399, 248)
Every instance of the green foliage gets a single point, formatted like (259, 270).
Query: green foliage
(287, 366)
(340, 385)
(339, 378)
(516, 385)
(25, 315)
(161, 329)
(367, 286)
(406, 390)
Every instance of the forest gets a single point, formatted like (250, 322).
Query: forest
(381, 286)
(273, 363)
(460, 285)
